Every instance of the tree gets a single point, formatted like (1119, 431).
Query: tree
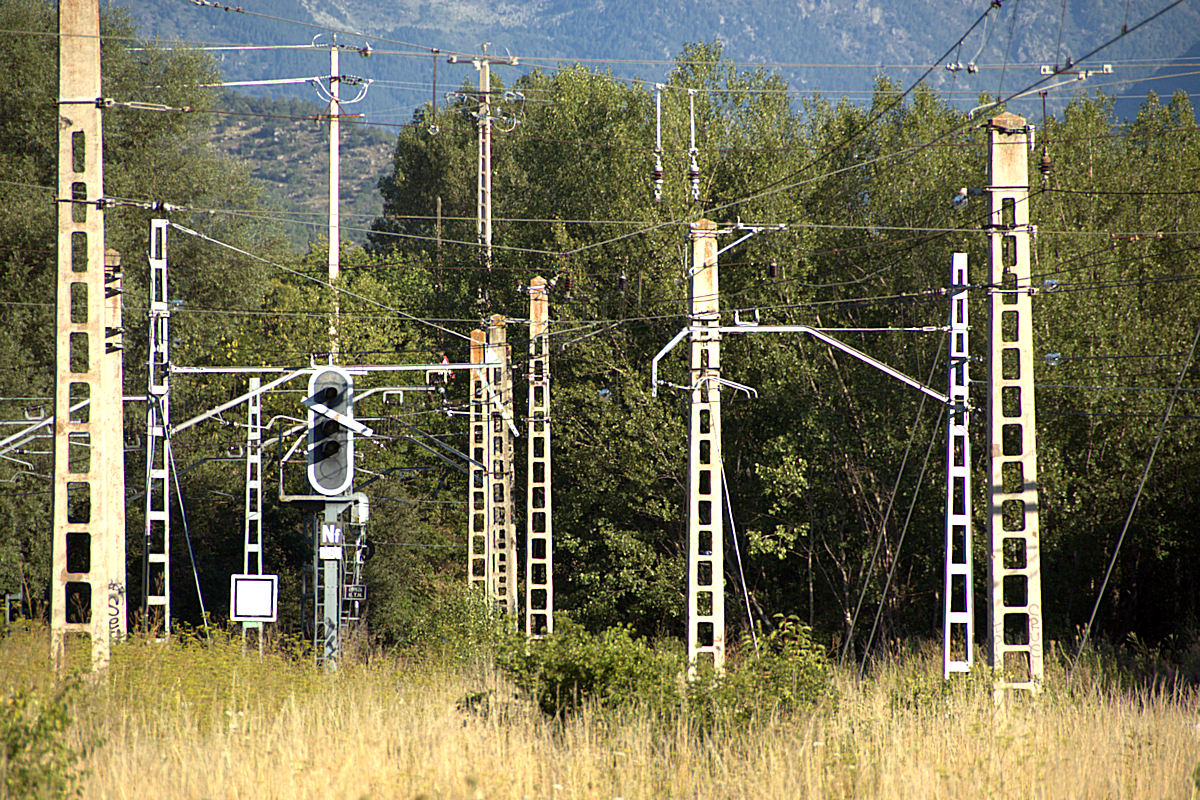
(1119, 314)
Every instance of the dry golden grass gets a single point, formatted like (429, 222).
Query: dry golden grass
(204, 722)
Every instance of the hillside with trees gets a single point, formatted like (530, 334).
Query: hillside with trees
(284, 143)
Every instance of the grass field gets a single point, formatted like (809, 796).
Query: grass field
(191, 720)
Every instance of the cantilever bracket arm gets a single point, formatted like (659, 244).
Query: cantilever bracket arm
(816, 334)
(668, 347)
(266, 387)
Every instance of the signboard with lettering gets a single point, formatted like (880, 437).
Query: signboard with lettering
(330, 547)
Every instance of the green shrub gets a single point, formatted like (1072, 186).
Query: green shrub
(572, 667)
(454, 626)
(788, 675)
(35, 760)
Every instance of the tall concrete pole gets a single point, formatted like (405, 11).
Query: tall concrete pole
(87, 473)
(705, 497)
(114, 346)
(502, 538)
(483, 183)
(1015, 603)
(483, 223)
(479, 509)
(335, 247)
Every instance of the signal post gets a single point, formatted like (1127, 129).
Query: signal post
(331, 430)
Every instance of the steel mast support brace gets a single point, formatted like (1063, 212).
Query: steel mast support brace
(705, 530)
(156, 554)
(332, 573)
(252, 543)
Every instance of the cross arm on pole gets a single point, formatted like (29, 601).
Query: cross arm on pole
(845, 348)
(36, 426)
(816, 334)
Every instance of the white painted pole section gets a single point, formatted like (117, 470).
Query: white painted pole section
(958, 617)
(335, 246)
(705, 528)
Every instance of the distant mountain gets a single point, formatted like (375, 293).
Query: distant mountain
(1184, 76)
(855, 40)
(632, 37)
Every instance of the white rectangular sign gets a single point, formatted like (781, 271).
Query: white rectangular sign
(253, 598)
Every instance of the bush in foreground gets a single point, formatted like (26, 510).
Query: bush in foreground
(787, 674)
(572, 667)
(35, 758)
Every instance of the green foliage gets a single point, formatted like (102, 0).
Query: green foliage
(787, 675)
(452, 624)
(36, 759)
(922, 688)
(572, 668)
(822, 461)
(612, 669)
